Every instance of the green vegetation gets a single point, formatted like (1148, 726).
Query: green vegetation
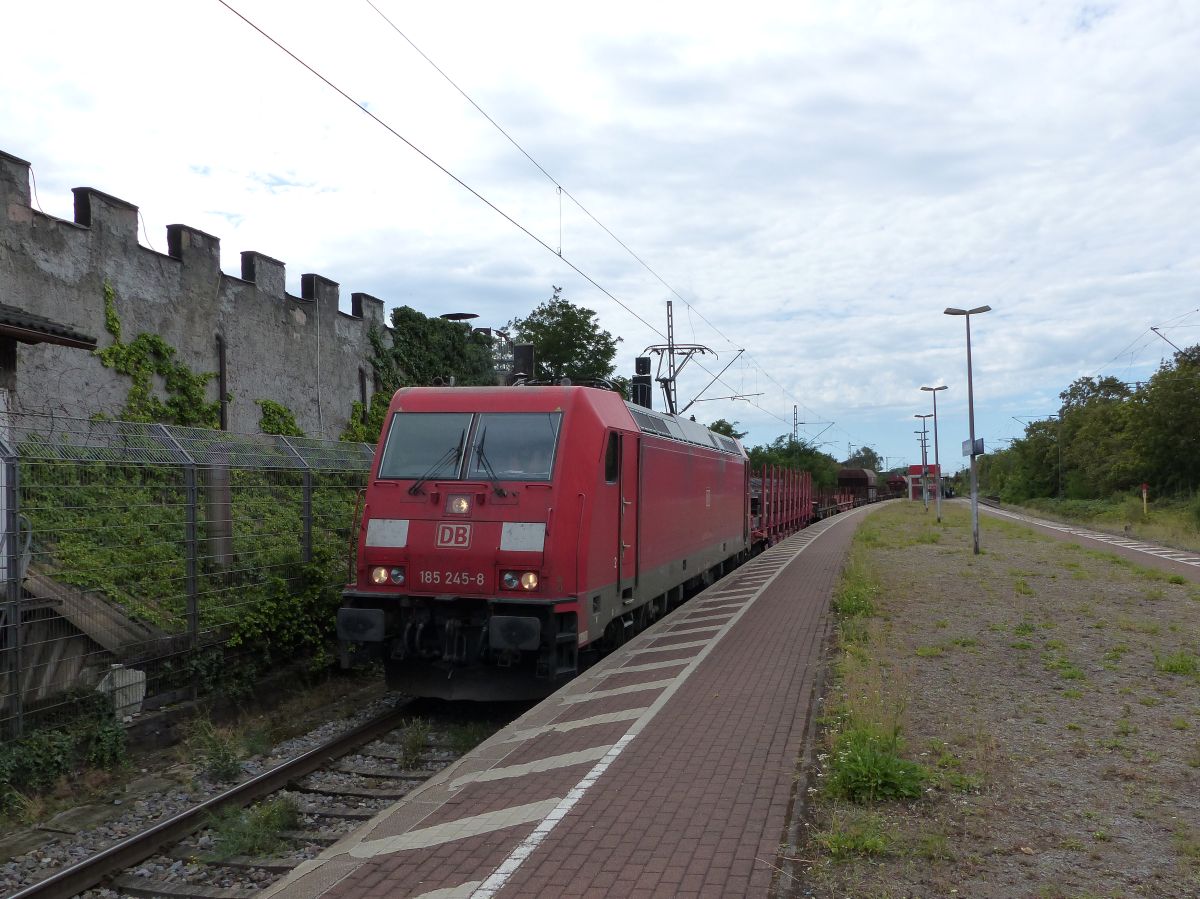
(214, 751)
(255, 831)
(88, 736)
(865, 762)
(462, 738)
(277, 418)
(1181, 662)
(569, 343)
(852, 832)
(415, 743)
(149, 357)
(1087, 463)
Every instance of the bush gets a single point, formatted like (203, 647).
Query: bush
(866, 766)
(37, 761)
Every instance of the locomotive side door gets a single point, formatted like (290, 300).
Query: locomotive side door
(628, 489)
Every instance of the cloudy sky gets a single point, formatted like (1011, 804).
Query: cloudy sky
(812, 182)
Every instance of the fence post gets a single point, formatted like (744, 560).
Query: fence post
(11, 627)
(306, 512)
(191, 541)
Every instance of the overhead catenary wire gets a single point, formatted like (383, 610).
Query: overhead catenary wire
(563, 191)
(479, 196)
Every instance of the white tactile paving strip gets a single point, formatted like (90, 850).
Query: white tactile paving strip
(714, 613)
(1150, 549)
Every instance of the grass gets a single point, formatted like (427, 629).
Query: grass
(852, 832)
(415, 743)
(462, 738)
(255, 831)
(1181, 662)
(866, 766)
(216, 751)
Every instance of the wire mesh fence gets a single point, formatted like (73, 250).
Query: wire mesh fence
(151, 562)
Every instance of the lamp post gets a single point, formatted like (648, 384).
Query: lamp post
(937, 462)
(967, 313)
(924, 460)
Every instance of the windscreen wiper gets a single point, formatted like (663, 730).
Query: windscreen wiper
(487, 466)
(450, 454)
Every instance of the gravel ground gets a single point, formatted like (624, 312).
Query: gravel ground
(1064, 759)
(133, 813)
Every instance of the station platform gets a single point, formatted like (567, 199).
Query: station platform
(668, 769)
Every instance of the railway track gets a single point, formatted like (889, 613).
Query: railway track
(330, 789)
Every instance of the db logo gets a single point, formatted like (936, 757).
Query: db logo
(457, 535)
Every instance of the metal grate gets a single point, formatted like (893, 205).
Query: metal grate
(171, 553)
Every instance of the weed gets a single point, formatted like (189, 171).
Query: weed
(1021, 644)
(1073, 693)
(214, 750)
(462, 738)
(416, 741)
(1024, 628)
(965, 641)
(1187, 844)
(1177, 579)
(941, 623)
(934, 847)
(1055, 644)
(256, 830)
(866, 766)
(1125, 728)
(1181, 662)
(1074, 726)
(1180, 723)
(1022, 588)
(929, 652)
(850, 835)
(1101, 836)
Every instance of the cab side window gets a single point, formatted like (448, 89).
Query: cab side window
(612, 458)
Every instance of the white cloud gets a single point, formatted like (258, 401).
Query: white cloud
(821, 181)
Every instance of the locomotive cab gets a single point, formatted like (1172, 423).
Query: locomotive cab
(465, 582)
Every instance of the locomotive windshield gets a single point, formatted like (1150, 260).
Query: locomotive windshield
(514, 445)
(425, 445)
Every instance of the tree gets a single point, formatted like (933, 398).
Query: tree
(865, 458)
(567, 341)
(789, 453)
(424, 351)
(728, 428)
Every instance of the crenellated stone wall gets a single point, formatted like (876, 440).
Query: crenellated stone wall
(299, 351)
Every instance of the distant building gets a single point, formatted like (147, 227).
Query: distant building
(932, 472)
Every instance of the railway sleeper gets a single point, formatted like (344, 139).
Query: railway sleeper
(347, 768)
(311, 837)
(152, 889)
(338, 811)
(263, 863)
(353, 792)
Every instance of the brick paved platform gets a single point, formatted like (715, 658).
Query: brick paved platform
(666, 770)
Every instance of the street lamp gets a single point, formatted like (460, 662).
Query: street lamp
(967, 313)
(937, 462)
(924, 460)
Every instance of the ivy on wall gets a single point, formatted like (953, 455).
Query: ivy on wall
(277, 418)
(147, 356)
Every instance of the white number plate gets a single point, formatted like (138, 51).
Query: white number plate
(451, 579)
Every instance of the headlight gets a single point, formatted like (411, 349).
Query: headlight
(379, 575)
(397, 575)
(519, 580)
(458, 505)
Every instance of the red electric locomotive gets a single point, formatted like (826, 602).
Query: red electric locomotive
(507, 528)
